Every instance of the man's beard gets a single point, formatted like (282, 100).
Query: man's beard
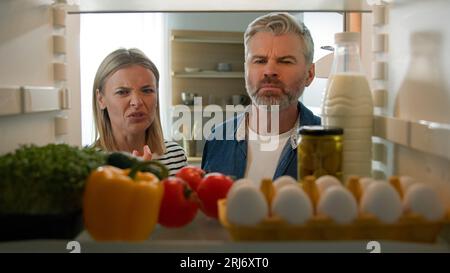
(283, 100)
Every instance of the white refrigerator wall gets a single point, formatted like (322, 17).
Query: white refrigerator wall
(26, 54)
(405, 19)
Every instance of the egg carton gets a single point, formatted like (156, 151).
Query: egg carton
(410, 228)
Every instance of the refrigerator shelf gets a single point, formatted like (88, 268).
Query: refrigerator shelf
(429, 137)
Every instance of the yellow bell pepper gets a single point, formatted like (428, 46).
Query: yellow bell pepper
(121, 204)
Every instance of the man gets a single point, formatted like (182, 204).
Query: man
(278, 65)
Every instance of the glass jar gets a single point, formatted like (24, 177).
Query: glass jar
(319, 151)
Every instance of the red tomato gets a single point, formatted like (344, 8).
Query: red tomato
(213, 187)
(192, 175)
(179, 204)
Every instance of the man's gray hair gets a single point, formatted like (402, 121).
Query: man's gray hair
(279, 24)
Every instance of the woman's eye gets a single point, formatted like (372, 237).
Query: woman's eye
(148, 90)
(121, 92)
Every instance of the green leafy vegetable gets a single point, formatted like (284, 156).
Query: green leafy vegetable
(45, 180)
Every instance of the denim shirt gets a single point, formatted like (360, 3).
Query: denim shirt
(225, 154)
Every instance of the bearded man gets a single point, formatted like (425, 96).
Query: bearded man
(262, 142)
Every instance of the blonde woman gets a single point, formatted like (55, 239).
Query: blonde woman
(126, 109)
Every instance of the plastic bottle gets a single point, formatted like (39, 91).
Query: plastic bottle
(422, 94)
(348, 104)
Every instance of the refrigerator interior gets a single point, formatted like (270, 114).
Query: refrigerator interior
(417, 64)
(40, 82)
(39, 75)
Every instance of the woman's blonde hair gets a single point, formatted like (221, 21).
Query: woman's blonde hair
(116, 60)
(279, 24)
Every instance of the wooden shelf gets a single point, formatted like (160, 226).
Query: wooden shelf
(207, 74)
(206, 50)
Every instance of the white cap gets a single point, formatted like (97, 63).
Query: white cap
(347, 37)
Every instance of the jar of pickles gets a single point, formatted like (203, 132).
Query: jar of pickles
(320, 151)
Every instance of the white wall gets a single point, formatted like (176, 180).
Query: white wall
(25, 43)
(26, 56)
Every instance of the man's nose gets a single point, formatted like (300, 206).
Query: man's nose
(271, 69)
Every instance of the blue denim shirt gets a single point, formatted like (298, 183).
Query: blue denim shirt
(229, 156)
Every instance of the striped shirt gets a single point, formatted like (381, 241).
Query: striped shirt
(174, 158)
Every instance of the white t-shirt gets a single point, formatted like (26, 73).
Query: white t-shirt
(263, 154)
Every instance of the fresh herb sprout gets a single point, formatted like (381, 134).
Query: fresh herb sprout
(45, 180)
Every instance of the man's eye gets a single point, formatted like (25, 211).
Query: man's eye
(287, 61)
(259, 61)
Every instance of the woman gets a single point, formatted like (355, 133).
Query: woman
(126, 109)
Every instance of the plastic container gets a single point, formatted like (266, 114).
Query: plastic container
(348, 104)
(409, 228)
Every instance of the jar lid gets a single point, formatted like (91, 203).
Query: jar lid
(319, 130)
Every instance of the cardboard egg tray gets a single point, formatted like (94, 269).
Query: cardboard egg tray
(409, 227)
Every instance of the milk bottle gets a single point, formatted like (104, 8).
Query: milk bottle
(348, 104)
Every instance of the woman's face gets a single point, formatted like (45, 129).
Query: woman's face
(130, 97)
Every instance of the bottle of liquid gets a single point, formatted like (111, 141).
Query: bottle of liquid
(422, 94)
(348, 104)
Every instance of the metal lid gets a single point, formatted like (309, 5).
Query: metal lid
(318, 130)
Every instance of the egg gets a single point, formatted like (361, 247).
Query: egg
(283, 181)
(406, 182)
(383, 201)
(338, 204)
(246, 206)
(237, 184)
(424, 200)
(365, 182)
(292, 204)
(326, 181)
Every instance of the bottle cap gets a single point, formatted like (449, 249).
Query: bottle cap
(320, 130)
(347, 37)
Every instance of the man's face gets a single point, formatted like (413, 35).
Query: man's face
(276, 72)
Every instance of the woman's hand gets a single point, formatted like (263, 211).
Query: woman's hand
(146, 155)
